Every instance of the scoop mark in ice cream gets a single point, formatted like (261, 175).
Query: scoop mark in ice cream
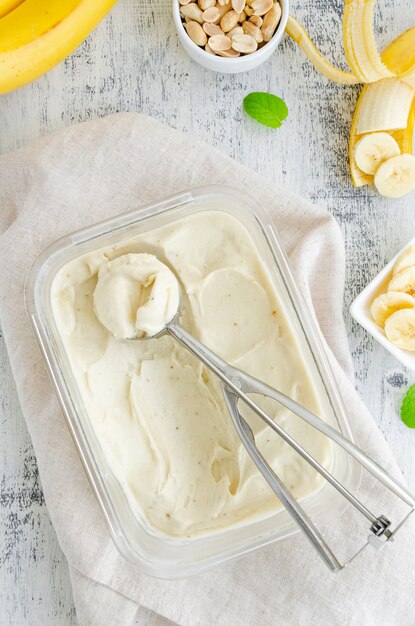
(136, 296)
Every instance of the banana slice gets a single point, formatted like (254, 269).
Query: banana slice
(405, 260)
(396, 176)
(388, 303)
(400, 329)
(404, 281)
(371, 150)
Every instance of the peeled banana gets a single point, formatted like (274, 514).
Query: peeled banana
(386, 104)
(38, 34)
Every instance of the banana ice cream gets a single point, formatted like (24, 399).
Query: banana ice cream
(157, 413)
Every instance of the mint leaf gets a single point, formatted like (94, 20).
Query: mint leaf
(408, 408)
(266, 108)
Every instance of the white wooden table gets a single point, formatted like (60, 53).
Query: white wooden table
(132, 62)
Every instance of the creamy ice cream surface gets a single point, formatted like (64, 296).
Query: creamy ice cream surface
(157, 413)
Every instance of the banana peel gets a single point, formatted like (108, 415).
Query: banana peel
(362, 56)
(8, 5)
(405, 136)
(42, 15)
(32, 57)
(359, 42)
(399, 55)
(298, 33)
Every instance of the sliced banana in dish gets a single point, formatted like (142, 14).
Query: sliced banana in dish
(400, 329)
(396, 176)
(405, 260)
(372, 150)
(388, 303)
(404, 281)
(394, 311)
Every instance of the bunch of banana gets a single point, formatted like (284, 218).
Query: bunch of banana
(35, 35)
(395, 310)
(380, 148)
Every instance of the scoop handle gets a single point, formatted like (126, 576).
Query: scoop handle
(290, 503)
(218, 366)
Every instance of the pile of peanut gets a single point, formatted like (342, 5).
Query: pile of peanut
(230, 28)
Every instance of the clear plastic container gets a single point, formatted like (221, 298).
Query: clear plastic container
(152, 553)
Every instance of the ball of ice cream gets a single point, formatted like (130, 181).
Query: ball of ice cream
(136, 296)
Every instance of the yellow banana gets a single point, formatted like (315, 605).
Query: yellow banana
(395, 110)
(387, 101)
(26, 62)
(367, 65)
(404, 137)
(395, 102)
(399, 55)
(8, 5)
(31, 20)
(409, 78)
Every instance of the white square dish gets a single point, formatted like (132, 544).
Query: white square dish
(360, 311)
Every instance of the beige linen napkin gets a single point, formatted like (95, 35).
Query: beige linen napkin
(92, 171)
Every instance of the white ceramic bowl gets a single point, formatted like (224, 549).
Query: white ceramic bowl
(222, 64)
(360, 311)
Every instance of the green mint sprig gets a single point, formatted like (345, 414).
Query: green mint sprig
(408, 408)
(266, 108)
